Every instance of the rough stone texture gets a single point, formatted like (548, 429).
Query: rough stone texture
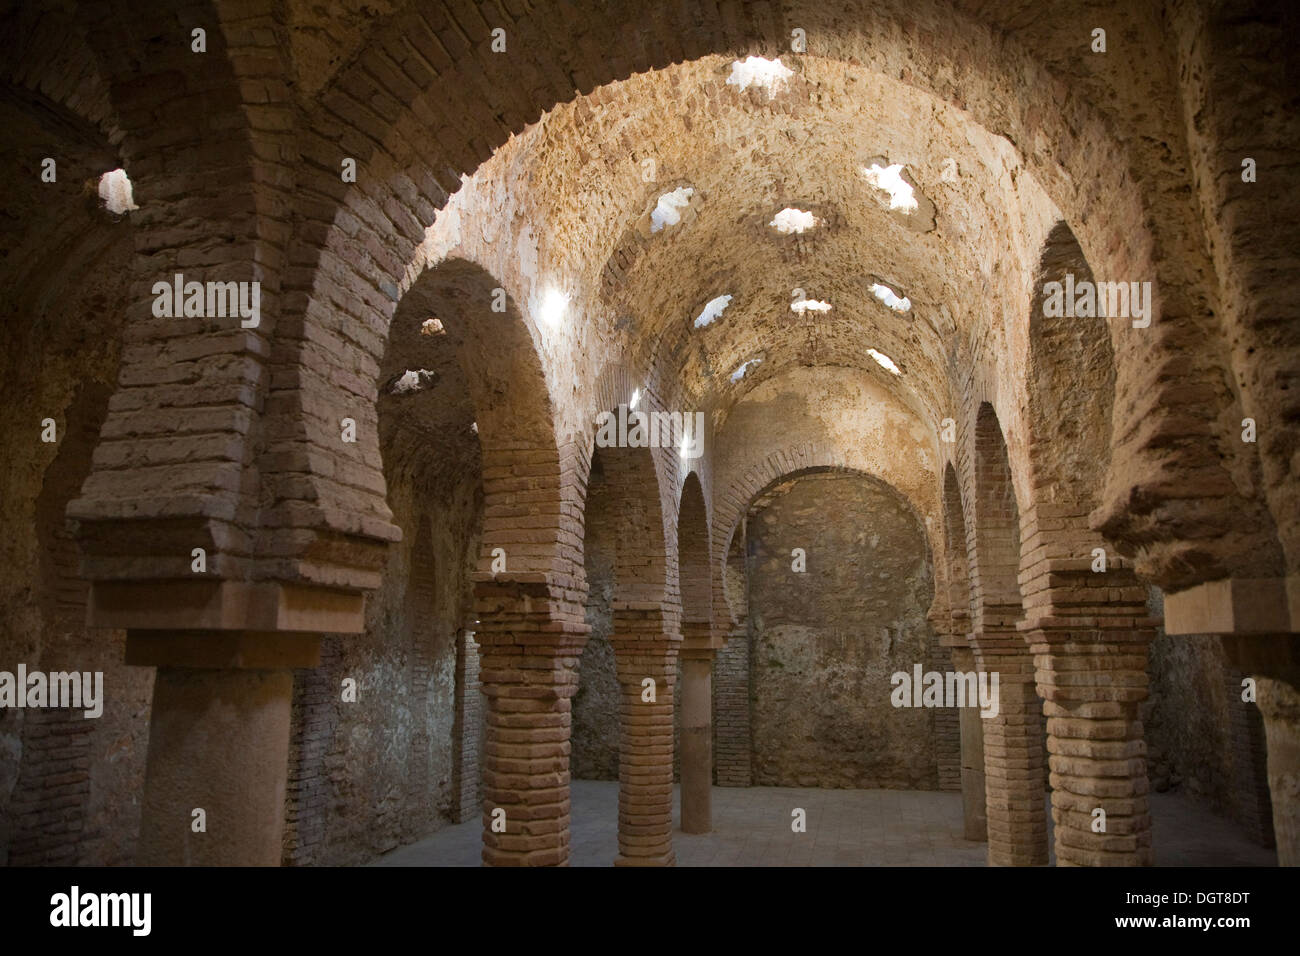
(595, 709)
(378, 773)
(825, 643)
(536, 171)
(594, 737)
(69, 785)
(1203, 739)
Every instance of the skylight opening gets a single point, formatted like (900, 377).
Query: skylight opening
(743, 369)
(809, 305)
(668, 210)
(412, 380)
(791, 220)
(889, 179)
(891, 298)
(771, 75)
(712, 311)
(884, 361)
(554, 304)
(115, 190)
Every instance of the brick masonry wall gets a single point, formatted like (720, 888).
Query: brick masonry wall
(595, 731)
(732, 742)
(69, 785)
(369, 776)
(1109, 148)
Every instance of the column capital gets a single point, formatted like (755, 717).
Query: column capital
(699, 641)
(223, 650)
(1236, 606)
(224, 605)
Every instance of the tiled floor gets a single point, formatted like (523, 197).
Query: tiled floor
(844, 828)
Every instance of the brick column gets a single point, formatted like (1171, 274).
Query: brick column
(697, 729)
(1093, 685)
(1089, 630)
(467, 729)
(1013, 753)
(975, 824)
(219, 743)
(530, 635)
(644, 649)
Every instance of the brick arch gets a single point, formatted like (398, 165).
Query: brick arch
(428, 67)
(1070, 387)
(1070, 378)
(734, 501)
(1013, 740)
(641, 555)
(521, 463)
(653, 471)
(994, 532)
(693, 562)
(46, 55)
(955, 544)
(1087, 629)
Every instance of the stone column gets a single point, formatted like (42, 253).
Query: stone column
(1279, 702)
(1015, 795)
(218, 743)
(697, 732)
(975, 824)
(643, 651)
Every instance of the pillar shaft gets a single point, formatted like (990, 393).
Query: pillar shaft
(218, 743)
(528, 691)
(1015, 797)
(643, 652)
(1093, 685)
(697, 742)
(530, 636)
(975, 824)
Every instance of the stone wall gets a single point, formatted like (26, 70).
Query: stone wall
(371, 775)
(825, 642)
(1202, 739)
(69, 785)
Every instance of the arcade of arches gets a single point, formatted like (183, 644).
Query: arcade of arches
(398, 550)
